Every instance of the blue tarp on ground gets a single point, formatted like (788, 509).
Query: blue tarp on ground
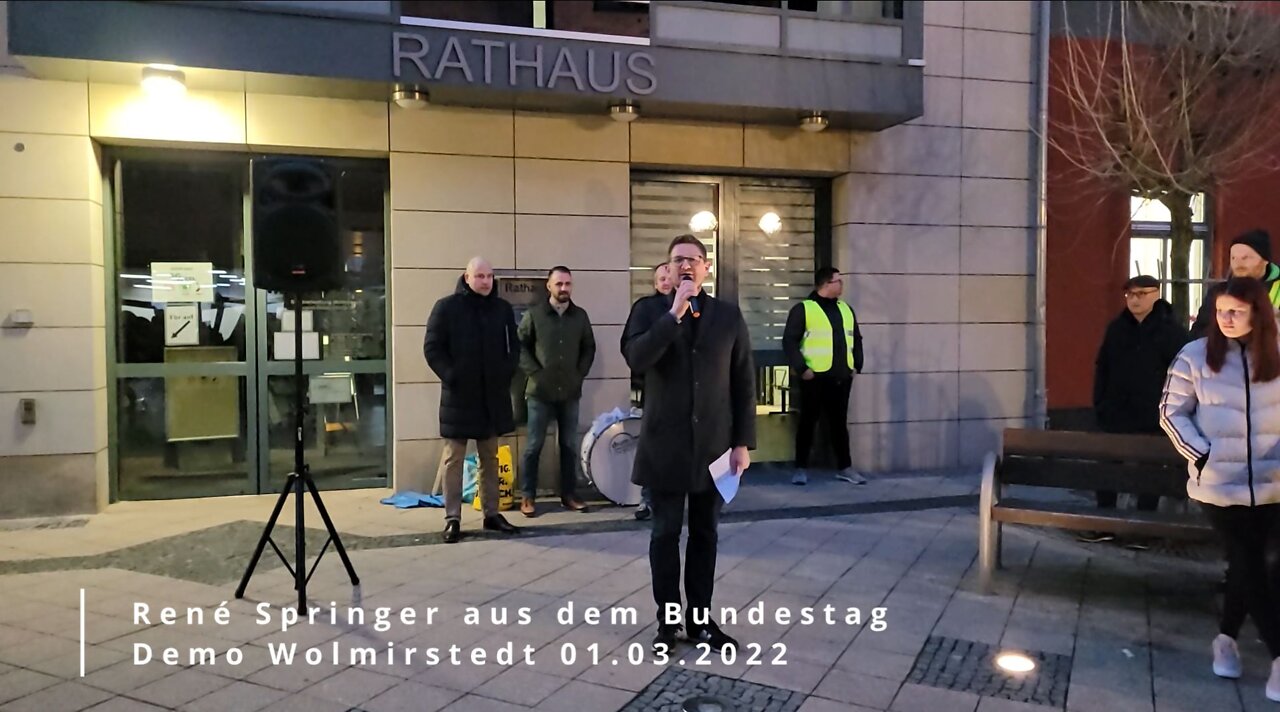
(409, 500)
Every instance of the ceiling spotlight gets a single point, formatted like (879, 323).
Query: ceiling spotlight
(703, 221)
(625, 111)
(411, 97)
(163, 80)
(770, 223)
(813, 122)
(1015, 662)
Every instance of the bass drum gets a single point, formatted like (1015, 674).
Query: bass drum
(607, 459)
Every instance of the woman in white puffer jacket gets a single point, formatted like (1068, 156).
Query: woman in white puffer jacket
(1221, 409)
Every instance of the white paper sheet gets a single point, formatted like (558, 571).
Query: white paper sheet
(725, 479)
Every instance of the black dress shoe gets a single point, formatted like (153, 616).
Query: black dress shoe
(711, 634)
(499, 523)
(666, 636)
(643, 512)
(452, 531)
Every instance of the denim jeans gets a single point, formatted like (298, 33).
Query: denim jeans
(541, 413)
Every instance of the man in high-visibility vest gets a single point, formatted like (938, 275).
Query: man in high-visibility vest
(1250, 257)
(823, 346)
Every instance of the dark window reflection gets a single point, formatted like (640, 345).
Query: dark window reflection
(187, 214)
(348, 323)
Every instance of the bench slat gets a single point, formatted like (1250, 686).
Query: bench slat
(1090, 446)
(1158, 479)
(1082, 518)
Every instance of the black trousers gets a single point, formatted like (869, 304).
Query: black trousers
(1253, 587)
(827, 400)
(700, 551)
(1146, 502)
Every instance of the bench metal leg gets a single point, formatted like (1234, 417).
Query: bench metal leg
(988, 530)
(999, 545)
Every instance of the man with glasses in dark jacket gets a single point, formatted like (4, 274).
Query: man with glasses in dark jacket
(700, 405)
(1129, 376)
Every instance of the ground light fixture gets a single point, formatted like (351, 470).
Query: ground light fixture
(813, 122)
(163, 80)
(625, 111)
(1015, 663)
(411, 97)
(707, 703)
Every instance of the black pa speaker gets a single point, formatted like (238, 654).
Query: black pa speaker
(297, 245)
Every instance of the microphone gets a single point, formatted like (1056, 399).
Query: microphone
(693, 300)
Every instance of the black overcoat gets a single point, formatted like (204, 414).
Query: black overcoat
(472, 346)
(699, 390)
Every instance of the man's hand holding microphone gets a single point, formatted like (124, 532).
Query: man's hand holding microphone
(686, 298)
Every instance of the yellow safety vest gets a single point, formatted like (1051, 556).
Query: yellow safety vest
(818, 345)
(1274, 294)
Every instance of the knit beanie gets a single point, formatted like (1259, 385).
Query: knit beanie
(1257, 240)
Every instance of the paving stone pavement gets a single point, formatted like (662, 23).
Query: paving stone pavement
(892, 564)
(675, 688)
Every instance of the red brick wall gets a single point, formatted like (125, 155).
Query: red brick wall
(1087, 254)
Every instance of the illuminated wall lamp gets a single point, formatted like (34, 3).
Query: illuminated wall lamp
(624, 111)
(770, 223)
(703, 221)
(813, 122)
(411, 97)
(163, 80)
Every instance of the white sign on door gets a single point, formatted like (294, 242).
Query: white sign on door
(182, 325)
(182, 282)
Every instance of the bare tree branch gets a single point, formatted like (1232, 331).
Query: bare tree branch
(1174, 98)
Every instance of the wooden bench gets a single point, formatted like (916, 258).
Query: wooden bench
(1137, 464)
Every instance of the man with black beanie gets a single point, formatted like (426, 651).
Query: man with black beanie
(1250, 257)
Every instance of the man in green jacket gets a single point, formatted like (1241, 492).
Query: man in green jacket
(557, 348)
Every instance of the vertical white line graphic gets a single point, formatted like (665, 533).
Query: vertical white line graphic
(82, 632)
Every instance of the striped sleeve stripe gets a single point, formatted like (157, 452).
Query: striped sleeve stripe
(1175, 436)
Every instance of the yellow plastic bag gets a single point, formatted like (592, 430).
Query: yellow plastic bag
(506, 483)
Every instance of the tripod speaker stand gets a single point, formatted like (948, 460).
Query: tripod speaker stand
(295, 210)
(298, 482)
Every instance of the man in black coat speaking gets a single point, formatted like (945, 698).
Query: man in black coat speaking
(699, 390)
(472, 346)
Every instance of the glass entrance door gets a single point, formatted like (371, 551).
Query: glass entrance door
(201, 390)
(183, 379)
(344, 350)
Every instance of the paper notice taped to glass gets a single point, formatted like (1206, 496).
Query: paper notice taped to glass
(725, 479)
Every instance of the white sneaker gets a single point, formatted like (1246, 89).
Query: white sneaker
(1273, 682)
(1226, 662)
(851, 475)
